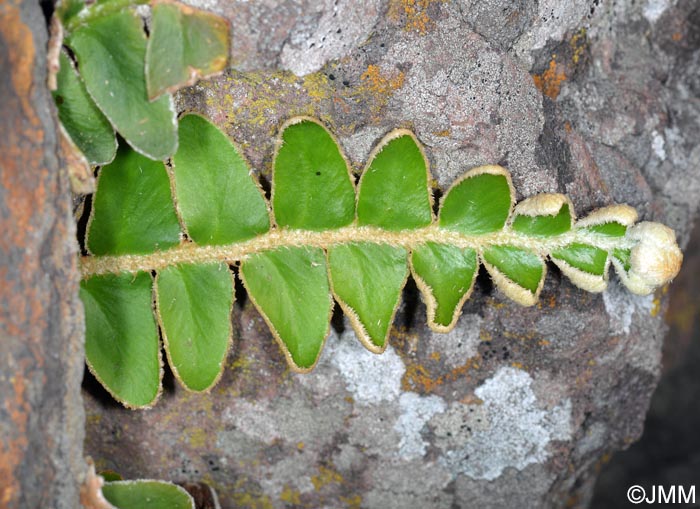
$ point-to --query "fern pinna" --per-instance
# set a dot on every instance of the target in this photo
(318, 239)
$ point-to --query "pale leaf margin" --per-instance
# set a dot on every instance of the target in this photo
(360, 331)
(275, 333)
(161, 369)
(166, 344)
(431, 303)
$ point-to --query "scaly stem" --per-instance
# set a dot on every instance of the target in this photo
(188, 252)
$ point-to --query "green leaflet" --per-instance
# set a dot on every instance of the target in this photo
(445, 275)
(110, 475)
(289, 286)
(209, 172)
(612, 229)
(517, 271)
(194, 304)
(134, 211)
(367, 281)
(623, 256)
(583, 257)
(311, 186)
(478, 203)
(393, 192)
(84, 122)
(320, 246)
(185, 44)
(111, 51)
(121, 337)
(67, 9)
(543, 223)
(585, 265)
(145, 494)
(124, 74)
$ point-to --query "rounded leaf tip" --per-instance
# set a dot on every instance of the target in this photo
(656, 258)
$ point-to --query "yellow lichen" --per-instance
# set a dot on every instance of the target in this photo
(324, 477)
(354, 502)
(317, 86)
(94, 419)
(249, 499)
(290, 496)
(578, 44)
(197, 438)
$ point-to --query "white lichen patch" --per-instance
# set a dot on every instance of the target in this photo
(294, 420)
(654, 9)
(359, 144)
(328, 31)
(453, 428)
(520, 428)
(621, 306)
(370, 378)
(658, 145)
(458, 345)
(416, 411)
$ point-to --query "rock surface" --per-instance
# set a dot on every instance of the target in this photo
(596, 100)
(41, 339)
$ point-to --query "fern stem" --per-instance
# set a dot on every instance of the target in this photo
(188, 252)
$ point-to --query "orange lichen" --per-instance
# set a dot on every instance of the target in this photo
(414, 12)
(377, 87)
(379, 84)
(549, 82)
(418, 378)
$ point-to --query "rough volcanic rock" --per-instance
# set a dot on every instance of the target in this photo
(516, 404)
(41, 343)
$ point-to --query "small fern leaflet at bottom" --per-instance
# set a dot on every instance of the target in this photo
(319, 239)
